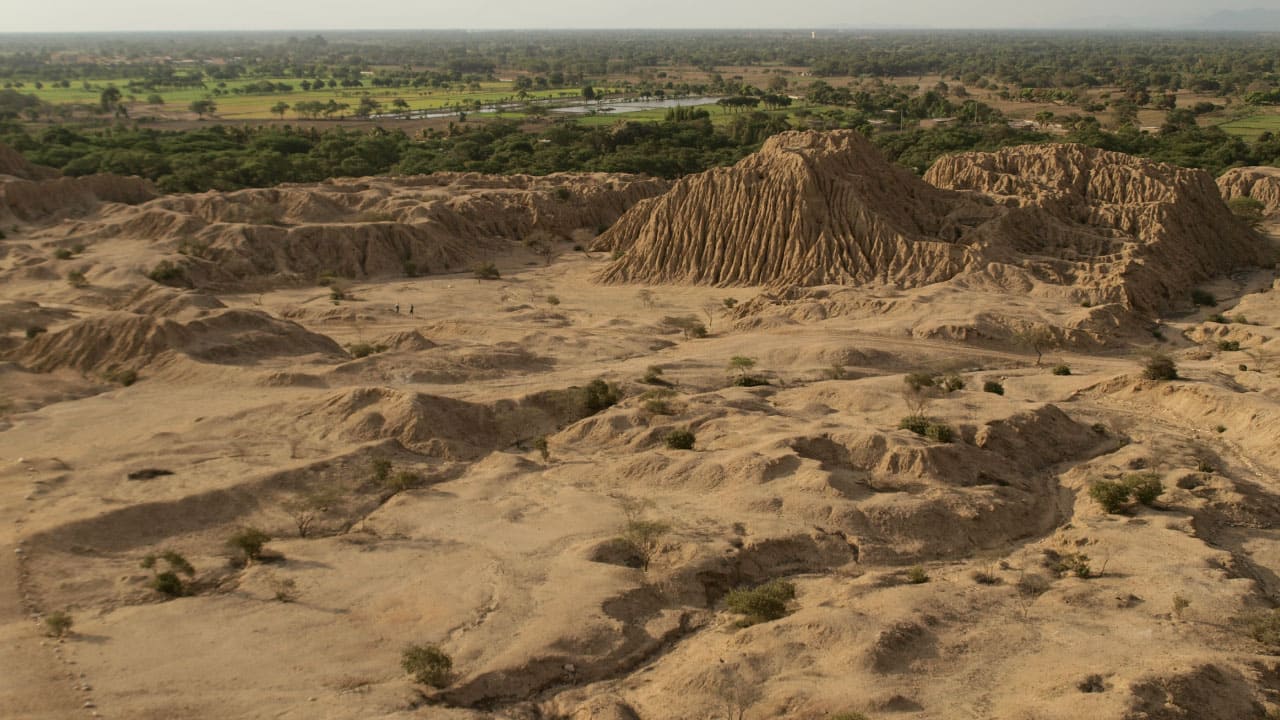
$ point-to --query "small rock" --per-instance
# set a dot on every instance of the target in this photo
(569, 667)
(89, 704)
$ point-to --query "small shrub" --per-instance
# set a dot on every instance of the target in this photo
(428, 664)
(1033, 585)
(762, 604)
(77, 279)
(486, 271)
(915, 423)
(938, 432)
(249, 542)
(552, 300)
(1112, 496)
(653, 376)
(1228, 346)
(1204, 466)
(381, 468)
(34, 330)
(1062, 369)
(1240, 320)
(1099, 428)
(1203, 298)
(285, 591)
(658, 406)
(680, 440)
(644, 539)
(952, 383)
(993, 386)
(168, 581)
(563, 193)
(835, 372)
(916, 575)
(985, 577)
(404, 480)
(1220, 429)
(362, 350)
(543, 448)
(326, 279)
(168, 273)
(1146, 488)
(57, 624)
(1074, 563)
(750, 381)
(729, 303)
(917, 381)
(410, 268)
(1263, 626)
(337, 294)
(1242, 367)
(1180, 604)
(849, 716)
(1160, 367)
(599, 395)
(689, 325)
(63, 254)
(1158, 334)
(1218, 318)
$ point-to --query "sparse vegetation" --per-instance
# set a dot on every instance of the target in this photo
(63, 254)
(599, 395)
(306, 509)
(486, 271)
(58, 624)
(690, 326)
(1114, 495)
(1160, 367)
(364, 349)
(248, 542)
(1228, 346)
(644, 538)
(1247, 210)
(552, 300)
(34, 331)
(284, 590)
(1263, 626)
(761, 604)
(428, 664)
(680, 440)
(653, 376)
(168, 581)
(917, 575)
(122, 377)
(167, 272)
(1062, 369)
(1073, 564)
(77, 279)
(993, 386)
(544, 449)
(381, 468)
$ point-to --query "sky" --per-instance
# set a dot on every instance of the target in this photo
(147, 15)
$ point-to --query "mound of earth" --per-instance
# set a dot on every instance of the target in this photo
(1125, 229)
(38, 199)
(366, 227)
(825, 208)
(128, 341)
(13, 164)
(1260, 183)
(809, 209)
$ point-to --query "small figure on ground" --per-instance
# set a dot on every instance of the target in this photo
(411, 309)
(397, 308)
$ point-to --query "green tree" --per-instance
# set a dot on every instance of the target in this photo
(203, 107)
(280, 109)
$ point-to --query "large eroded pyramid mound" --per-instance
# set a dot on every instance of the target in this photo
(826, 208)
(809, 209)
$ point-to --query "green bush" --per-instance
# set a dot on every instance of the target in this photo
(249, 542)
(168, 581)
(486, 271)
(1062, 369)
(1203, 298)
(362, 350)
(428, 664)
(680, 440)
(1263, 626)
(750, 381)
(653, 376)
(952, 383)
(77, 279)
(1160, 367)
(918, 381)
(599, 395)
(1074, 563)
(938, 432)
(993, 386)
(168, 273)
(761, 604)
(57, 624)
(1218, 318)
(34, 330)
(1146, 488)
(915, 423)
(381, 468)
(63, 254)
(1112, 496)
(916, 575)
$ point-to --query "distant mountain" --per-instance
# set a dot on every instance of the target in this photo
(1256, 19)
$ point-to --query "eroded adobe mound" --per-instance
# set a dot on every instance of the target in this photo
(826, 208)
(1260, 183)
(810, 209)
(125, 340)
(1122, 228)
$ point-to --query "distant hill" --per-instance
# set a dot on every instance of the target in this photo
(1256, 19)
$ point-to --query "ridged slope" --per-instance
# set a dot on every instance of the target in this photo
(809, 208)
(1260, 183)
(1129, 230)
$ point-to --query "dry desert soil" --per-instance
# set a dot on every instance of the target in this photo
(484, 465)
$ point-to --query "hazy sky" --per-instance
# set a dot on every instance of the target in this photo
(103, 15)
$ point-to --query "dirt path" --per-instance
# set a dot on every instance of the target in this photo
(33, 684)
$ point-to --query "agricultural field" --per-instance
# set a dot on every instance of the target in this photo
(1250, 128)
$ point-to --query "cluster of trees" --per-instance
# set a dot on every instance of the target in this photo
(225, 157)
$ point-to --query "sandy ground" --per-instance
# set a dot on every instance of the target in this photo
(509, 560)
